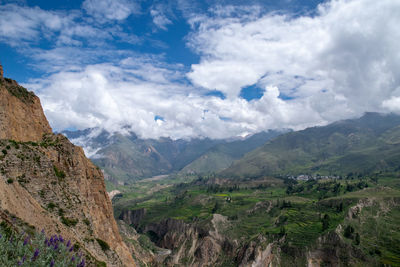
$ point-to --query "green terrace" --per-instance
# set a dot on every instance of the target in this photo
(299, 210)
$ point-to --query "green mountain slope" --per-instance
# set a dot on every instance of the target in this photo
(368, 144)
(181, 152)
(222, 156)
(126, 158)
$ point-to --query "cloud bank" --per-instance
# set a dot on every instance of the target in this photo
(338, 63)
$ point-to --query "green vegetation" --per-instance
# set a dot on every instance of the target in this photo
(14, 143)
(59, 173)
(298, 211)
(223, 155)
(21, 249)
(359, 147)
(145, 243)
(51, 206)
(129, 158)
(69, 221)
(376, 231)
(101, 264)
(18, 91)
(103, 244)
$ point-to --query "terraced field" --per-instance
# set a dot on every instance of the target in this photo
(299, 211)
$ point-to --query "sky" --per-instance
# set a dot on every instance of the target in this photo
(218, 69)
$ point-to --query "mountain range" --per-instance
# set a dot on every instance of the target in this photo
(127, 157)
(365, 145)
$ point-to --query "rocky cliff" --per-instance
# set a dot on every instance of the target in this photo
(48, 182)
(200, 245)
(21, 115)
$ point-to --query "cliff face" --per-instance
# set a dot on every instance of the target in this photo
(49, 183)
(21, 115)
(202, 246)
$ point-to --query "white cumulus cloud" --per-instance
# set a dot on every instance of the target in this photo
(160, 19)
(342, 61)
(348, 50)
(104, 10)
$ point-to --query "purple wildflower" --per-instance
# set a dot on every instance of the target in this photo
(1, 236)
(35, 255)
(42, 231)
(23, 258)
(71, 248)
(52, 263)
(26, 240)
(68, 243)
(60, 238)
(81, 264)
(19, 263)
(56, 246)
(73, 258)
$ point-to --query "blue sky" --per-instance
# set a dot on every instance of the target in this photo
(165, 36)
(207, 68)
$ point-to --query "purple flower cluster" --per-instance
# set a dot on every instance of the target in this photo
(25, 249)
(55, 242)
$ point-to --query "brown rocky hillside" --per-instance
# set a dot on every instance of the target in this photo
(49, 184)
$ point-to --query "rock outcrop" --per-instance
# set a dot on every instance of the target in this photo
(133, 217)
(192, 244)
(21, 115)
(48, 182)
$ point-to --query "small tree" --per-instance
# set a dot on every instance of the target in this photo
(325, 222)
(216, 207)
(348, 231)
(282, 230)
(357, 239)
